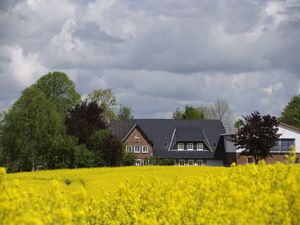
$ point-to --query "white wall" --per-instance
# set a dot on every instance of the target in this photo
(287, 132)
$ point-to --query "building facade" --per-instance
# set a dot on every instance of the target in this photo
(186, 142)
(193, 142)
(289, 136)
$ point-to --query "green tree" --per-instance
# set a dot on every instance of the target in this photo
(29, 128)
(106, 145)
(257, 135)
(125, 113)
(60, 90)
(177, 115)
(189, 113)
(106, 100)
(291, 113)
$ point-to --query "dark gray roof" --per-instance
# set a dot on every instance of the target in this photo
(160, 131)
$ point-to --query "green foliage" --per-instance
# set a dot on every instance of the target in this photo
(125, 113)
(291, 113)
(107, 146)
(59, 89)
(291, 157)
(84, 157)
(162, 162)
(257, 135)
(105, 100)
(238, 124)
(128, 158)
(29, 129)
(189, 113)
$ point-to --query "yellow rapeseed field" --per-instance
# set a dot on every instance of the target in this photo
(262, 194)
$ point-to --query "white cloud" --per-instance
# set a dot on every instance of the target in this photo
(24, 69)
(157, 57)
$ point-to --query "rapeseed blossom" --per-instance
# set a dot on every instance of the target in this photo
(251, 194)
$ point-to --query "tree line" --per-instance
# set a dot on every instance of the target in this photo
(49, 126)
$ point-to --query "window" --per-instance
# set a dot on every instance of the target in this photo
(283, 145)
(128, 148)
(190, 146)
(200, 162)
(136, 136)
(145, 149)
(190, 162)
(138, 162)
(249, 160)
(136, 149)
(180, 146)
(199, 146)
(181, 162)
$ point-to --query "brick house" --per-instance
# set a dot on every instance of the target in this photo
(187, 142)
(290, 135)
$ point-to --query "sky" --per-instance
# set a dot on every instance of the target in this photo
(156, 56)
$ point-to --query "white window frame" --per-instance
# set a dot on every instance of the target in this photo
(191, 162)
(129, 148)
(138, 162)
(180, 144)
(189, 145)
(198, 148)
(137, 149)
(181, 160)
(144, 149)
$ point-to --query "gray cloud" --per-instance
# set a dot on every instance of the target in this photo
(157, 57)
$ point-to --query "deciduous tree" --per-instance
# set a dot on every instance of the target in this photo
(291, 113)
(257, 135)
(29, 128)
(84, 120)
(59, 89)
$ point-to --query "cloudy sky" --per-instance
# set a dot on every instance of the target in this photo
(156, 55)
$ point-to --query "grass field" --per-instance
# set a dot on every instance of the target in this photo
(249, 194)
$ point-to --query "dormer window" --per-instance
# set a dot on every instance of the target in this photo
(199, 146)
(180, 146)
(190, 146)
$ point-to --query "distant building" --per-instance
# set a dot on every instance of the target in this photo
(290, 135)
(187, 142)
(192, 142)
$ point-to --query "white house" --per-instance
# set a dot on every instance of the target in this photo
(289, 135)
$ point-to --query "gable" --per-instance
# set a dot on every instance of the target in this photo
(136, 135)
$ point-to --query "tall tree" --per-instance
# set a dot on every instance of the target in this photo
(291, 113)
(59, 89)
(106, 100)
(108, 147)
(220, 110)
(29, 129)
(84, 120)
(125, 113)
(257, 135)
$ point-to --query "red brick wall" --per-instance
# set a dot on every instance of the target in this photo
(242, 159)
(140, 141)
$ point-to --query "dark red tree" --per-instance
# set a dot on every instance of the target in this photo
(257, 135)
(84, 120)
